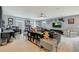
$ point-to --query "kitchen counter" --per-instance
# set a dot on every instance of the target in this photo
(7, 31)
(49, 41)
(49, 44)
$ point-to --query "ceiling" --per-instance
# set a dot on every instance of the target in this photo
(35, 11)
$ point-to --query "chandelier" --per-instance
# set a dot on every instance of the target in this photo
(42, 15)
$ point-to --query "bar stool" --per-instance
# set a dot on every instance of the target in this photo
(29, 35)
(38, 37)
(34, 37)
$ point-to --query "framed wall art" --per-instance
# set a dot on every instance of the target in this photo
(10, 21)
(71, 21)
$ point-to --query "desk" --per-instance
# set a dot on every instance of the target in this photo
(6, 36)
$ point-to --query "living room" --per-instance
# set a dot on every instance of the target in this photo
(49, 21)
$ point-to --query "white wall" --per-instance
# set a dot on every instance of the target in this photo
(15, 20)
(45, 23)
(48, 23)
(20, 24)
(19, 20)
(5, 18)
(76, 21)
(33, 23)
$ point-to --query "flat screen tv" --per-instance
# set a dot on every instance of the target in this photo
(57, 25)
